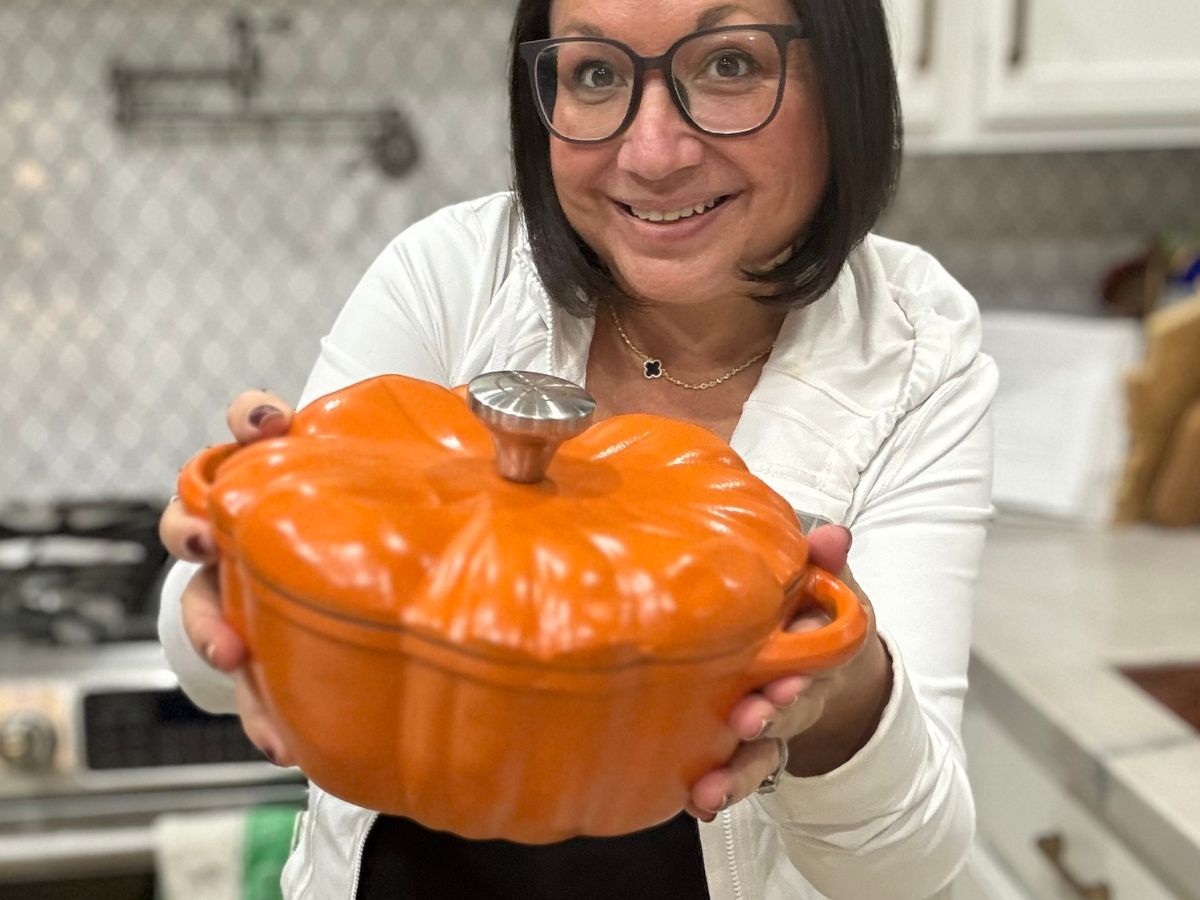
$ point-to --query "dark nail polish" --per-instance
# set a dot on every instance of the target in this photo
(196, 546)
(260, 414)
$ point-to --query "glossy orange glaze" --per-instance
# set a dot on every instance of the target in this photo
(503, 660)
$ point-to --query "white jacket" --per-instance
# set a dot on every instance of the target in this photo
(871, 411)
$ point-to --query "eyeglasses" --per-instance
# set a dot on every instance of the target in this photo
(724, 81)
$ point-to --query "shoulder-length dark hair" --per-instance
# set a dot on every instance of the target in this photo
(852, 56)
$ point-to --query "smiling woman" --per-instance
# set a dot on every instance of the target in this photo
(823, 179)
(688, 235)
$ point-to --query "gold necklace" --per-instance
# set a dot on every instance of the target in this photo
(653, 368)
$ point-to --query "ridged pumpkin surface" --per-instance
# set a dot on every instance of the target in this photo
(648, 538)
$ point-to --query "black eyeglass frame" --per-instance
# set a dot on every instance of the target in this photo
(783, 35)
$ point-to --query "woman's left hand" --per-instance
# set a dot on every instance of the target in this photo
(825, 717)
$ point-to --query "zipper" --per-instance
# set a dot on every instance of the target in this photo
(358, 855)
(730, 856)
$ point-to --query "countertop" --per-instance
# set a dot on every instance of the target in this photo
(1058, 611)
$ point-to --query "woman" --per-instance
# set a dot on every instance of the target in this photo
(689, 237)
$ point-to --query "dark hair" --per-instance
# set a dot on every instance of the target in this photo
(852, 57)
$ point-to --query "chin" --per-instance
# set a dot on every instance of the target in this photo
(677, 283)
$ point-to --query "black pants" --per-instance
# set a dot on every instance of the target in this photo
(405, 861)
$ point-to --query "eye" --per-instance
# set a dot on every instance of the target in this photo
(596, 74)
(731, 64)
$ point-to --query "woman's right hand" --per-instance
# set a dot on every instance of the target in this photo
(253, 416)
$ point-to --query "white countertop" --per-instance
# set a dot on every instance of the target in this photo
(1057, 611)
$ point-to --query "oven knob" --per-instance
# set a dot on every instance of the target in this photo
(27, 741)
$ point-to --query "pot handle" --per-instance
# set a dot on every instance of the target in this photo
(796, 653)
(197, 475)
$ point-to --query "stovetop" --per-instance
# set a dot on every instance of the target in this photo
(78, 573)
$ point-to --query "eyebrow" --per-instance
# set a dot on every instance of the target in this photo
(713, 15)
(707, 19)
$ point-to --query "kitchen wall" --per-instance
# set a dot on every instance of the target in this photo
(146, 277)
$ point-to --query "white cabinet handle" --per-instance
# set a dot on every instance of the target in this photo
(1052, 847)
(928, 35)
(1016, 52)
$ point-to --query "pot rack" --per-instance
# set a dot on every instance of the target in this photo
(384, 132)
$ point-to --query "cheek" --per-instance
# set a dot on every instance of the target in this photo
(572, 172)
(802, 167)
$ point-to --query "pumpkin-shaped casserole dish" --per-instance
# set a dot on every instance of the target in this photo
(528, 661)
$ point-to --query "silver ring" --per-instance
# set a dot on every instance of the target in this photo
(771, 782)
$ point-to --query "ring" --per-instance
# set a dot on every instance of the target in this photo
(771, 782)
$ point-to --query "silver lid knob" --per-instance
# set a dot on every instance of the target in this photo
(28, 741)
(529, 415)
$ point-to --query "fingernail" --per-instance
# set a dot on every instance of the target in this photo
(764, 731)
(707, 817)
(261, 414)
(210, 653)
(849, 536)
(726, 799)
(270, 755)
(802, 686)
(196, 545)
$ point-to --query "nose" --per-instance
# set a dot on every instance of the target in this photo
(659, 142)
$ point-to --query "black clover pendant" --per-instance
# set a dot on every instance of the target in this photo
(653, 368)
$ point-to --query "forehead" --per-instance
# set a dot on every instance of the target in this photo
(660, 23)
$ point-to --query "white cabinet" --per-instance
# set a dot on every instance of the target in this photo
(1033, 74)
(1049, 841)
(916, 29)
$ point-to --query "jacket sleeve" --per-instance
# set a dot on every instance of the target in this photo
(396, 321)
(900, 811)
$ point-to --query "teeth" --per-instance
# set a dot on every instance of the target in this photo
(654, 215)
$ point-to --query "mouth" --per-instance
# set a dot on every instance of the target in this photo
(667, 216)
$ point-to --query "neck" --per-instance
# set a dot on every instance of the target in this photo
(705, 338)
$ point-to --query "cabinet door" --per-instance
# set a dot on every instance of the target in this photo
(1055, 846)
(1088, 67)
(915, 32)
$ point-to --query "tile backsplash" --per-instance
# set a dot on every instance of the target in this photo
(147, 276)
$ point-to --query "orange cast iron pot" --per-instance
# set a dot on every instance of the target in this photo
(529, 661)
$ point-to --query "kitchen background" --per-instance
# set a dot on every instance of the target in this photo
(150, 271)
(189, 189)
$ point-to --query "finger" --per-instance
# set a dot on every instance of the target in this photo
(255, 415)
(752, 717)
(829, 546)
(787, 692)
(696, 812)
(186, 536)
(751, 764)
(212, 636)
(809, 619)
(256, 722)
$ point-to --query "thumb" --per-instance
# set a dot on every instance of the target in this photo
(828, 547)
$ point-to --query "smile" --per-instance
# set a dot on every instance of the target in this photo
(674, 215)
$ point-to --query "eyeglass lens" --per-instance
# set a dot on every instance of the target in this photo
(727, 81)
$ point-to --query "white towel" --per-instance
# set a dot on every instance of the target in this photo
(199, 856)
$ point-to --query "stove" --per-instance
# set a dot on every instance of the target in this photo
(96, 738)
(80, 573)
